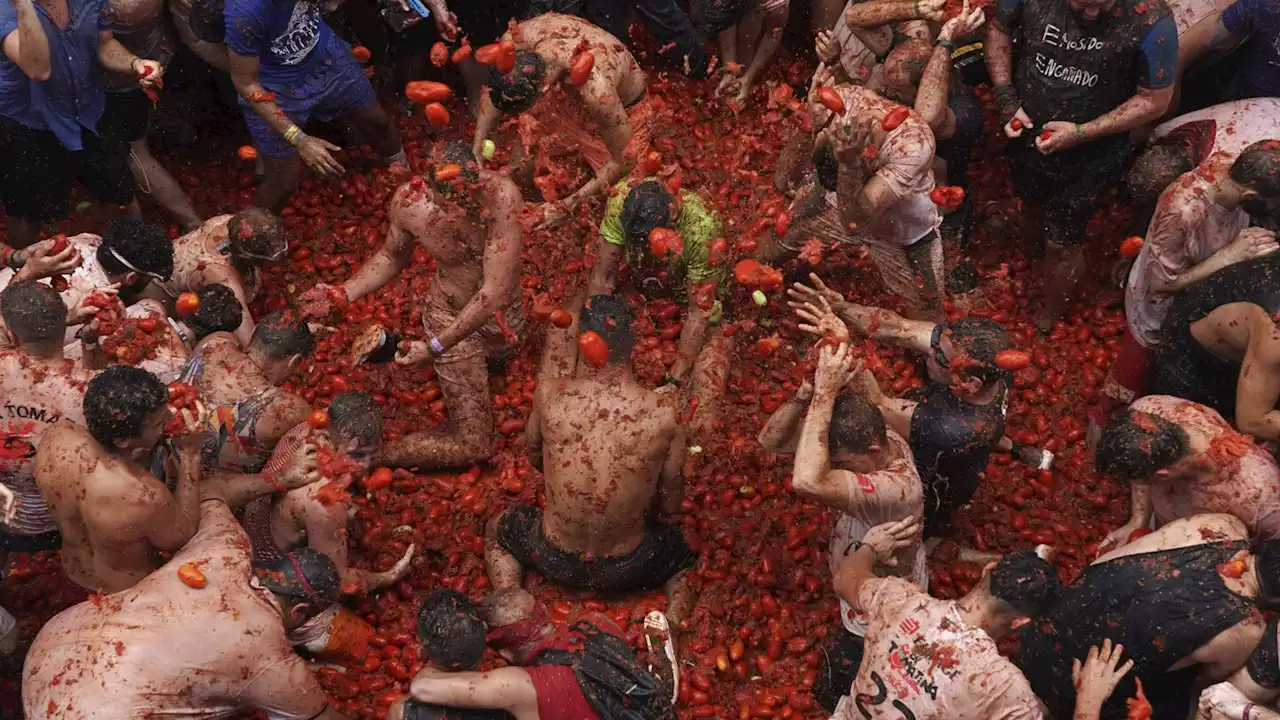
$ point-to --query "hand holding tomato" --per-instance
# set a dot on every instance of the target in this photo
(150, 73)
(319, 301)
(300, 469)
(1057, 136)
(414, 352)
(48, 258)
(90, 305)
(1019, 123)
(1097, 677)
(962, 24)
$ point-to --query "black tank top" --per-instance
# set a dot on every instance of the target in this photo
(1184, 368)
(1161, 606)
(1075, 73)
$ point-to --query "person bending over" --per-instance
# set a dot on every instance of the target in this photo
(607, 118)
(749, 33)
(228, 250)
(206, 634)
(472, 311)
(1200, 226)
(543, 680)
(1185, 603)
(250, 412)
(941, 653)
(289, 67)
(612, 453)
(1183, 459)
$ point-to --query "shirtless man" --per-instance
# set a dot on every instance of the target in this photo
(846, 459)
(113, 513)
(40, 387)
(1184, 601)
(1200, 226)
(1183, 459)
(473, 312)
(611, 106)
(308, 516)
(612, 452)
(930, 658)
(141, 26)
(229, 250)
(242, 387)
(174, 650)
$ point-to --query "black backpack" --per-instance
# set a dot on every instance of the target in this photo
(612, 679)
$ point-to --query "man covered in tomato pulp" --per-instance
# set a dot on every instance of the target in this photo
(612, 452)
(604, 115)
(1183, 459)
(930, 658)
(289, 67)
(1068, 107)
(466, 219)
(204, 635)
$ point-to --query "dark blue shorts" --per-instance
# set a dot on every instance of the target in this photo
(336, 87)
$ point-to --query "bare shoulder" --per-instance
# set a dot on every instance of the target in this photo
(1196, 530)
(501, 188)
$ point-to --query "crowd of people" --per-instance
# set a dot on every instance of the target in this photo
(152, 440)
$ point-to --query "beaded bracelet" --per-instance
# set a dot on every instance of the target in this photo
(293, 135)
(437, 345)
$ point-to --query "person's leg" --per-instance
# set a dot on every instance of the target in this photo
(153, 179)
(824, 14)
(464, 381)
(1063, 266)
(280, 181)
(103, 166)
(35, 181)
(750, 28)
(376, 128)
(670, 26)
(927, 264)
(501, 565)
(709, 376)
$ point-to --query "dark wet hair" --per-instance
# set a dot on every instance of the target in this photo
(219, 311)
(141, 244)
(118, 402)
(1135, 445)
(826, 165)
(646, 208)
(856, 425)
(518, 90)
(979, 340)
(712, 17)
(301, 576)
(1266, 561)
(1025, 582)
(282, 334)
(34, 312)
(609, 317)
(1258, 168)
(355, 415)
(254, 231)
(1156, 169)
(913, 55)
(459, 153)
(451, 631)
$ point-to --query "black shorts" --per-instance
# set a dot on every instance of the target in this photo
(662, 554)
(13, 542)
(1066, 184)
(841, 658)
(126, 115)
(37, 172)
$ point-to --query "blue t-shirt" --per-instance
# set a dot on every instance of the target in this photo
(287, 36)
(1260, 19)
(72, 96)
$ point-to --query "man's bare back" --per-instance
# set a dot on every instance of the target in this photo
(113, 513)
(605, 441)
(557, 38)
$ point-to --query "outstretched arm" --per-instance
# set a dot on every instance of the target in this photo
(507, 688)
(394, 256)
